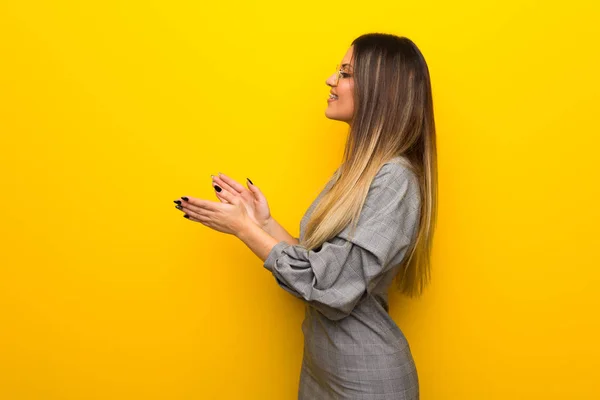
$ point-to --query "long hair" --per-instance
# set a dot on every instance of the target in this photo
(393, 116)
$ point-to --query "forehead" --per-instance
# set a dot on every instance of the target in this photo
(347, 61)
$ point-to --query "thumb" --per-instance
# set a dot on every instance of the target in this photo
(255, 191)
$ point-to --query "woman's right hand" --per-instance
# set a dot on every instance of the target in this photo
(255, 202)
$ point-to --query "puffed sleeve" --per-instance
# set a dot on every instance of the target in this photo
(334, 277)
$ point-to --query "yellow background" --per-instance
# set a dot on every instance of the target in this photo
(110, 110)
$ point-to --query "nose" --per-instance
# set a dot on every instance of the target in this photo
(331, 80)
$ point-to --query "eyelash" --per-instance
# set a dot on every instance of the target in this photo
(344, 74)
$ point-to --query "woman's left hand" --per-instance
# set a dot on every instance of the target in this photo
(229, 218)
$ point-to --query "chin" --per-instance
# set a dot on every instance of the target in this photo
(335, 117)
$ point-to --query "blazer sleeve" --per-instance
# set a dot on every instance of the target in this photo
(334, 277)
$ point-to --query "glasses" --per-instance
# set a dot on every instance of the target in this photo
(339, 72)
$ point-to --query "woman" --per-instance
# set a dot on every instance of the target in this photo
(372, 222)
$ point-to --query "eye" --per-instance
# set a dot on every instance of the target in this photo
(345, 74)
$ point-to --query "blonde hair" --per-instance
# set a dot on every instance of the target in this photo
(393, 116)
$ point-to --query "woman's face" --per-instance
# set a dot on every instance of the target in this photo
(342, 108)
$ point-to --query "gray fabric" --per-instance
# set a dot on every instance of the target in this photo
(352, 347)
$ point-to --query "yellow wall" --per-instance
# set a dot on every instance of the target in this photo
(110, 110)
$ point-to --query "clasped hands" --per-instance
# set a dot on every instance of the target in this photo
(238, 207)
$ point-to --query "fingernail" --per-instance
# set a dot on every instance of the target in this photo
(177, 202)
(250, 181)
(219, 174)
(217, 188)
(179, 207)
(186, 216)
(185, 198)
(212, 176)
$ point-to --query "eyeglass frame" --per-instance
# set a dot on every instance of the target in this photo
(339, 72)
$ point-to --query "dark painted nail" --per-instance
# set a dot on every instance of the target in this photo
(186, 216)
(217, 188)
(179, 207)
(177, 202)
(250, 181)
(185, 198)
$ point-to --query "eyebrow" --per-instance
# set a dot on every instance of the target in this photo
(346, 65)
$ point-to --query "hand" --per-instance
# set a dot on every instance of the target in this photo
(230, 218)
(252, 198)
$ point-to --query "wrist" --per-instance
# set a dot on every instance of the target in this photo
(268, 225)
(246, 230)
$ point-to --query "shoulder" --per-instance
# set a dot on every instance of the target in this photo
(395, 186)
(396, 174)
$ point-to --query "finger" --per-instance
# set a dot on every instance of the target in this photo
(232, 183)
(195, 219)
(218, 193)
(200, 203)
(224, 185)
(221, 198)
(255, 191)
(231, 198)
(197, 212)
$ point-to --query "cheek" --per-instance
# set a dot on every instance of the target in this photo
(347, 92)
(348, 99)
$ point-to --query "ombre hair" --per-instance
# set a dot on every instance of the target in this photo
(393, 116)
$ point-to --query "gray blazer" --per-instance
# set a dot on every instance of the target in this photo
(352, 347)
